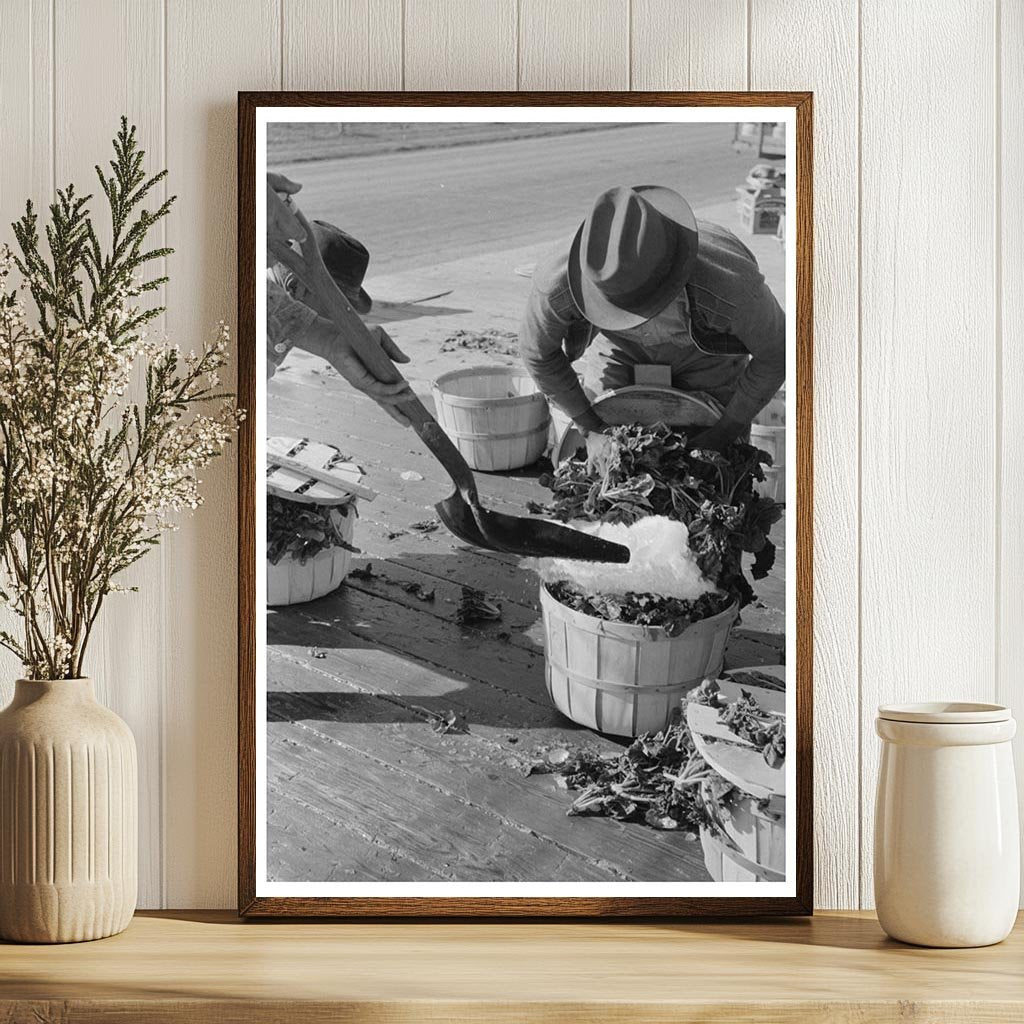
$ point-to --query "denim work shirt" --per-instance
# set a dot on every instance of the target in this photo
(726, 311)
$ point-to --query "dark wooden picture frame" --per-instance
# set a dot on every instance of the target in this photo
(252, 905)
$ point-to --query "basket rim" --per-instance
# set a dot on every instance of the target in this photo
(484, 370)
(563, 444)
(437, 387)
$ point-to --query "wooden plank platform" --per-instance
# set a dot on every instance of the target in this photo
(361, 786)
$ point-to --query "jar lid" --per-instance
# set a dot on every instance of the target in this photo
(945, 713)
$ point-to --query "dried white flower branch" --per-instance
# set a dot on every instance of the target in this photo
(89, 477)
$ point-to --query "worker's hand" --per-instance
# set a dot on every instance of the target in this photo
(282, 224)
(324, 340)
(720, 435)
(279, 183)
(599, 445)
(387, 396)
(600, 452)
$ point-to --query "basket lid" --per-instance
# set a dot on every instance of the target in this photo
(734, 758)
(291, 483)
(645, 404)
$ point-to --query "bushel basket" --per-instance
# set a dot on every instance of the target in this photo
(292, 582)
(746, 838)
(305, 472)
(749, 843)
(494, 414)
(624, 679)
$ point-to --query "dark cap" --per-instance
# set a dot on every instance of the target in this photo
(346, 260)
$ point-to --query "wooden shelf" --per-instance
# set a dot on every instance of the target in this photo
(202, 967)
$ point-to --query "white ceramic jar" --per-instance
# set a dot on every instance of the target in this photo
(947, 848)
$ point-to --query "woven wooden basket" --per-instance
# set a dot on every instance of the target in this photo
(292, 582)
(623, 679)
(747, 842)
(768, 432)
(773, 441)
(494, 414)
(310, 474)
(751, 843)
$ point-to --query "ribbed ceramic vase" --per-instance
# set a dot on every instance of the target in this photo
(947, 848)
(68, 815)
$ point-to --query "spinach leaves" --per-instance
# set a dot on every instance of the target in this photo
(654, 471)
(659, 780)
(748, 720)
(673, 614)
(301, 531)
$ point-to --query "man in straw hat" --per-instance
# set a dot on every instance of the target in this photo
(643, 283)
(293, 324)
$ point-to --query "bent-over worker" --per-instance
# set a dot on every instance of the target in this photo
(643, 283)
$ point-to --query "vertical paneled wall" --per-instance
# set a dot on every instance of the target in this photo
(919, 323)
(831, 71)
(929, 356)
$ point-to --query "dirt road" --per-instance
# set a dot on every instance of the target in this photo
(413, 210)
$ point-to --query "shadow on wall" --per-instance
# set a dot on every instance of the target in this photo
(202, 560)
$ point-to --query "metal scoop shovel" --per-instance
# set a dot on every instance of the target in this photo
(461, 512)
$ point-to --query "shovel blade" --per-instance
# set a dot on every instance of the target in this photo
(456, 514)
(540, 538)
(517, 535)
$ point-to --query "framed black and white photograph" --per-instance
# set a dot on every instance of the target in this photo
(525, 504)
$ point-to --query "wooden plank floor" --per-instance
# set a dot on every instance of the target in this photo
(360, 786)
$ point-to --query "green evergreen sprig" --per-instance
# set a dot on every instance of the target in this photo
(92, 470)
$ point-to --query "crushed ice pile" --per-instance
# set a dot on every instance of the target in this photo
(661, 561)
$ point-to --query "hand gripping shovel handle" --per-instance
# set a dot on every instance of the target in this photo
(330, 303)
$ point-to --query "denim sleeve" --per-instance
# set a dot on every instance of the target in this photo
(287, 319)
(550, 312)
(760, 324)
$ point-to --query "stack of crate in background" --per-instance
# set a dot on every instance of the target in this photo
(761, 209)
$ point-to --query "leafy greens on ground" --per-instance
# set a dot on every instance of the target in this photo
(654, 471)
(660, 779)
(476, 607)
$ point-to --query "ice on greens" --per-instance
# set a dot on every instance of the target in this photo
(653, 471)
(660, 561)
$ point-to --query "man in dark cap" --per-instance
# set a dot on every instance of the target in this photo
(346, 259)
(643, 283)
(293, 324)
